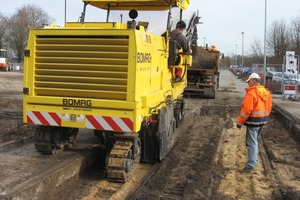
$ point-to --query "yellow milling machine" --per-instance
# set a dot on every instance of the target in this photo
(112, 77)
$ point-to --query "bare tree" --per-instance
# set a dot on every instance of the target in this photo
(3, 30)
(27, 17)
(256, 50)
(281, 38)
(278, 40)
(295, 35)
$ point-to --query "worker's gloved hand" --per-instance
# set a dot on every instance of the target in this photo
(239, 126)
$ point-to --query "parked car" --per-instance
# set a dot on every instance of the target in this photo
(289, 78)
(238, 71)
(269, 75)
(293, 78)
(277, 77)
(248, 71)
(298, 80)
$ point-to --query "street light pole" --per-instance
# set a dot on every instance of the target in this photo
(242, 49)
(233, 59)
(236, 58)
(265, 42)
(65, 11)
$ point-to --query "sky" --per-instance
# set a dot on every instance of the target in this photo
(223, 20)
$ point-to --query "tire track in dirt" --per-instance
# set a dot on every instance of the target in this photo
(188, 170)
(175, 186)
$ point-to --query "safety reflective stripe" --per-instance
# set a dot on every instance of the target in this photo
(123, 123)
(256, 123)
(92, 123)
(44, 118)
(118, 124)
(257, 120)
(264, 112)
(244, 115)
(260, 112)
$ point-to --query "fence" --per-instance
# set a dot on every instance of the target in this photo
(17, 66)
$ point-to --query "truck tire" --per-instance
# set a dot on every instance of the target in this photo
(213, 95)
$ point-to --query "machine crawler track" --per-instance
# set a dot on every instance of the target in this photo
(42, 143)
(120, 161)
(49, 140)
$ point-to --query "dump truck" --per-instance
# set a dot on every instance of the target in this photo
(4, 64)
(113, 77)
(203, 76)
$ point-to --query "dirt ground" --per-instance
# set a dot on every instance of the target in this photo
(12, 127)
(209, 154)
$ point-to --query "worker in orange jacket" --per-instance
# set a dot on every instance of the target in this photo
(255, 111)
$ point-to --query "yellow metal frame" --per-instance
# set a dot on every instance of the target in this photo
(137, 4)
(102, 25)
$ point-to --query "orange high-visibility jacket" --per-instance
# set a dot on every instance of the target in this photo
(256, 107)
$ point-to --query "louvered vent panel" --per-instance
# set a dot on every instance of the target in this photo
(82, 67)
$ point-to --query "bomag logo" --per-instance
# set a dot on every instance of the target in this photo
(77, 102)
(143, 57)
